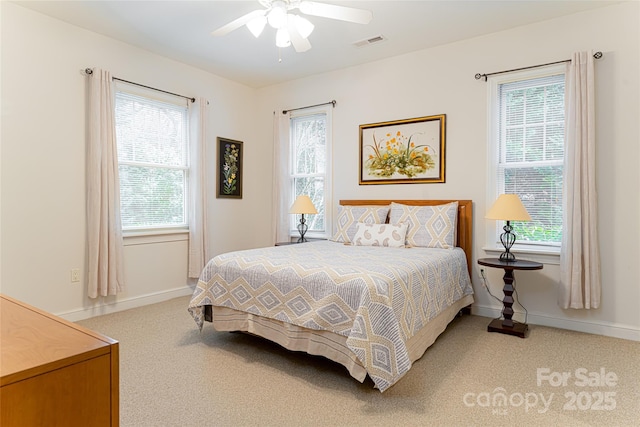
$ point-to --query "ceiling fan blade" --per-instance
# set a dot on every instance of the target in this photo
(300, 44)
(234, 25)
(342, 13)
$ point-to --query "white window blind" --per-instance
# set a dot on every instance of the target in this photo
(530, 123)
(309, 165)
(153, 162)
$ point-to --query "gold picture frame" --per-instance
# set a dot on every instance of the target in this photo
(229, 169)
(409, 151)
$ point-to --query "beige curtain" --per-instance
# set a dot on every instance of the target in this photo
(198, 248)
(281, 177)
(104, 230)
(580, 284)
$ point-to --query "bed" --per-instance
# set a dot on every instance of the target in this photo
(361, 302)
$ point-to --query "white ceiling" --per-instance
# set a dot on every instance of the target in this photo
(181, 30)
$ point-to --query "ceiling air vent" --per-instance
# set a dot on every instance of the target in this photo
(369, 41)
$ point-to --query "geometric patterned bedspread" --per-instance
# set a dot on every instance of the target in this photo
(377, 297)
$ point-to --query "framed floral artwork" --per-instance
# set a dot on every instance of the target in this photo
(229, 169)
(403, 151)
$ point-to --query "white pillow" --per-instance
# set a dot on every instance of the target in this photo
(350, 216)
(380, 235)
(428, 226)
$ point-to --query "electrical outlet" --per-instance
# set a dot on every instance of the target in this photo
(75, 275)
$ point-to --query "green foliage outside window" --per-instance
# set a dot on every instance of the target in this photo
(309, 136)
(532, 152)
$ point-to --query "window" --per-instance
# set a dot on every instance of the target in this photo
(153, 160)
(527, 135)
(310, 135)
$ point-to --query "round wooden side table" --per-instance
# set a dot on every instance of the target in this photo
(507, 325)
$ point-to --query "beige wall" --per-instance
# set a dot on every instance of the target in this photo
(42, 165)
(441, 80)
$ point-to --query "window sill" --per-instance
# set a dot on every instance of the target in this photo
(293, 236)
(547, 256)
(146, 237)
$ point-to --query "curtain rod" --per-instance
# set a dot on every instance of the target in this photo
(596, 55)
(90, 71)
(310, 106)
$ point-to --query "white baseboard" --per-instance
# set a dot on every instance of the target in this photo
(125, 304)
(606, 329)
(609, 330)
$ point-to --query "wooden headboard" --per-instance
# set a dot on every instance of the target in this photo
(465, 218)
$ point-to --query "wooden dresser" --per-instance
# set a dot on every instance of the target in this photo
(54, 372)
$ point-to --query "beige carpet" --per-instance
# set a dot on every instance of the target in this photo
(173, 375)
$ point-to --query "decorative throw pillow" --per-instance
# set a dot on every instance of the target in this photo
(427, 226)
(350, 216)
(380, 235)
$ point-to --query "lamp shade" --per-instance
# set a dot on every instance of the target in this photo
(277, 17)
(304, 27)
(303, 205)
(508, 207)
(282, 38)
(256, 25)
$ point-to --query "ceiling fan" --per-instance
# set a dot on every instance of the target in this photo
(292, 29)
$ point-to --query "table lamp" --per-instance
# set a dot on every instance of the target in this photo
(508, 207)
(302, 205)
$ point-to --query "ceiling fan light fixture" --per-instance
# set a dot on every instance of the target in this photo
(256, 25)
(282, 38)
(277, 16)
(292, 30)
(303, 25)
